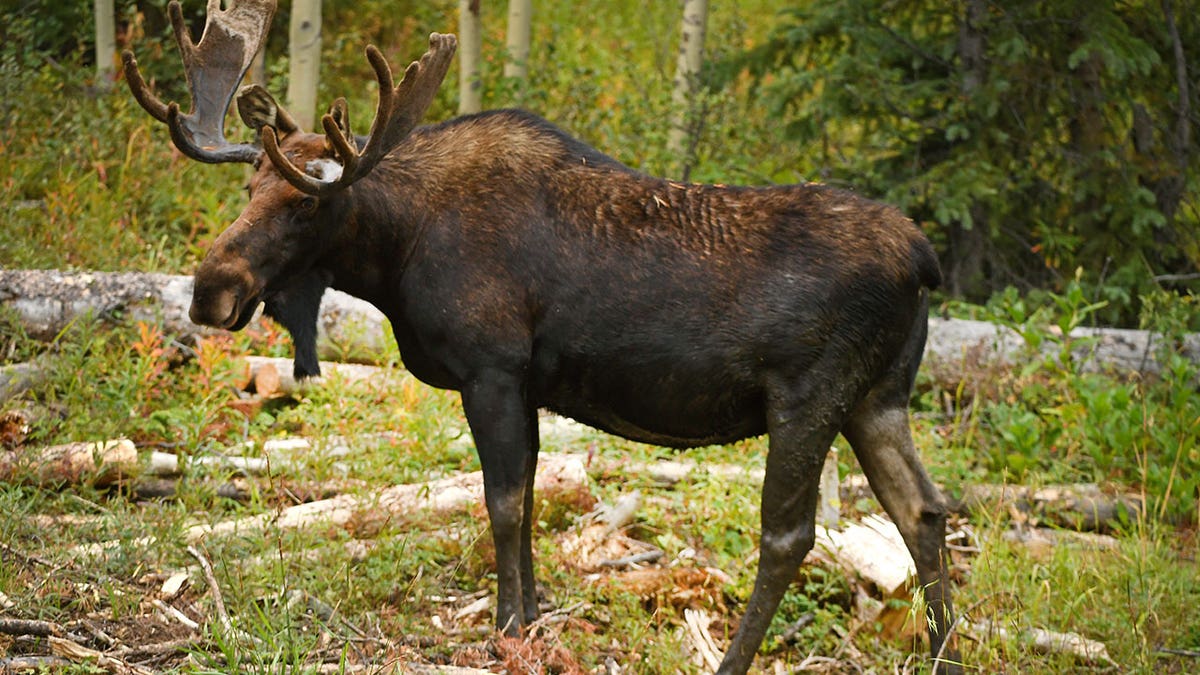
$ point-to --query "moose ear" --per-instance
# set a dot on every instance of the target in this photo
(258, 109)
(339, 112)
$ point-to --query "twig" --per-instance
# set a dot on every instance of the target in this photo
(644, 556)
(78, 653)
(155, 649)
(175, 614)
(557, 616)
(961, 618)
(1190, 653)
(29, 627)
(227, 628)
(96, 633)
(214, 587)
(20, 664)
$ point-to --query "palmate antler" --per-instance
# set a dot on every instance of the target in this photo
(214, 69)
(400, 109)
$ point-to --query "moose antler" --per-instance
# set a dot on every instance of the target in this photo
(214, 68)
(400, 109)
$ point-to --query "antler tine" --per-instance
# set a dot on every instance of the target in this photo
(400, 109)
(214, 67)
(141, 91)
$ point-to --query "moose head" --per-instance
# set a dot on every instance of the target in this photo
(267, 254)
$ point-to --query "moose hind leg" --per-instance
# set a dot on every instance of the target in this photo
(798, 445)
(879, 433)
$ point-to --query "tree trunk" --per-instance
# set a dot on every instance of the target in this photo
(1180, 143)
(470, 44)
(516, 63)
(681, 141)
(965, 272)
(305, 67)
(106, 42)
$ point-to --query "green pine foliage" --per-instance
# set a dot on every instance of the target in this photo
(1029, 138)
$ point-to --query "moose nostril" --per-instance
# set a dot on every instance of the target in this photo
(219, 312)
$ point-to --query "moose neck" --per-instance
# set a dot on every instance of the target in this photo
(438, 179)
(375, 233)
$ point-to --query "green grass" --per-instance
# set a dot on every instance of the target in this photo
(383, 579)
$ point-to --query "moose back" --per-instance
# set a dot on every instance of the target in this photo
(527, 270)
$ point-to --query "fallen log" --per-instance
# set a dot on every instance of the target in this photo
(957, 342)
(1048, 642)
(1042, 542)
(872, 549)
(98, 464)
(46, 301)
(555, 473)
(1082, 506)
(284, 383)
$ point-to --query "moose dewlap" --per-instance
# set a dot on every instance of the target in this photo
(525, 269)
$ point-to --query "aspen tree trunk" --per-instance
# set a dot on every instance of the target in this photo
(258, 68)
(681, 140)
(305, 67)
(520, 14)
(470, 35)
(106, 42)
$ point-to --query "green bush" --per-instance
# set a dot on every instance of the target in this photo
(1064, 422)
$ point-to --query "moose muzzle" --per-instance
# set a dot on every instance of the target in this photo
(226, 291)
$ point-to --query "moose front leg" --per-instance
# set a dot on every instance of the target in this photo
(505, 431)
(528, 582)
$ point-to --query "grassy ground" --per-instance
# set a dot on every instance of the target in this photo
(89, 182)
(393, 587)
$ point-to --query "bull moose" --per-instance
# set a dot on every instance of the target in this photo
(527, 270)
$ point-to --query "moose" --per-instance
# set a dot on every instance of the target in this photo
(527, 270)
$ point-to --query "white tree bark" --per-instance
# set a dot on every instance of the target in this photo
(106, 42)
(555, 473)
(305, 67)
(470, 44)
(520, 16)
(687, 75)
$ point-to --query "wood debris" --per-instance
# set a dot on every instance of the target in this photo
(705, 652)
(1046, 641)
(599, 540)
(555, 472)
(1082, 506)
(96, 463)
